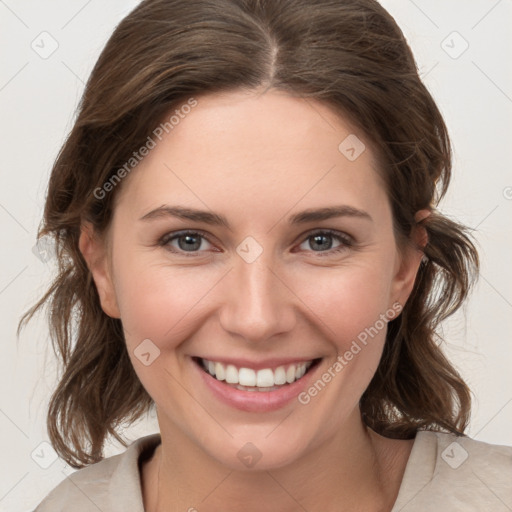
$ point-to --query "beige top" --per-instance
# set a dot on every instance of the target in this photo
(444, 473)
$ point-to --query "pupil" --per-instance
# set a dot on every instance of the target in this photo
(191, 242)
(322, 241)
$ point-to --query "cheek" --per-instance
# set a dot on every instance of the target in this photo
(157, 301)
(346, 299)
(163, 305)
(352, 307)
(164, 302)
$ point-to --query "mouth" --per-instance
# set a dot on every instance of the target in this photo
(248, 378)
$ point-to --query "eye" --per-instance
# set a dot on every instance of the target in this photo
(192, 243)
(185, 242)
(327, 241)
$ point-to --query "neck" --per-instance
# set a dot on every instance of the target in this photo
(354, 470)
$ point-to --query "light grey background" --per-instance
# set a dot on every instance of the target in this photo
(38, 97)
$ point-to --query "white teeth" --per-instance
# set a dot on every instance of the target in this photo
(220, 373)
(247, 377)
(265, 379)
(279, 376)
(231, 374)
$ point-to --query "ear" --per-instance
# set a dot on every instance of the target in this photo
(409, 260)
(95, 252)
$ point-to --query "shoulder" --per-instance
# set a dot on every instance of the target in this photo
(449, 472)
(461, 459)
(110, 485)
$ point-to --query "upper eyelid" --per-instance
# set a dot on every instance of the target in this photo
(173, 235)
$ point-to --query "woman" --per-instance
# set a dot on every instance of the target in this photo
(248, 238)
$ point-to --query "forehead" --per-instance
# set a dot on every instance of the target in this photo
(253, 154)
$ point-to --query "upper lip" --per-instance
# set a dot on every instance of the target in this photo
(258, 365)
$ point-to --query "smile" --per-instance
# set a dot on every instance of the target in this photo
(249, 379)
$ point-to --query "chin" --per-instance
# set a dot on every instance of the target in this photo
(258, 454)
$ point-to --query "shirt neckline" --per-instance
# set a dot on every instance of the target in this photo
(419, 470)
(418, 473)
(127, 476)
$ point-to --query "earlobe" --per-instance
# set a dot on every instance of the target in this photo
(406, 275)
(410, 260)
(419, 233)
(95, 254)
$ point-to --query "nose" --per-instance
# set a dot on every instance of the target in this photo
(258, 302)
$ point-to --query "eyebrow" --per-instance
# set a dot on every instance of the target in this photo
(214, 219)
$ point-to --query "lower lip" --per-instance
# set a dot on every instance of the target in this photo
(255, 401)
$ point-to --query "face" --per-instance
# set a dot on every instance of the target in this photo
(249, 246)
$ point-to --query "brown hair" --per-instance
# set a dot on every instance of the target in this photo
(348, 54)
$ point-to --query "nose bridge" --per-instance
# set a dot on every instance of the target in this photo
(258, 306)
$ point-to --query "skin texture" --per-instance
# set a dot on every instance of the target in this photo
(257, 159)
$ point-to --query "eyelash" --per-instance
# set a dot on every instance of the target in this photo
(346, 241)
